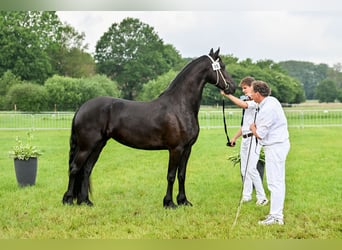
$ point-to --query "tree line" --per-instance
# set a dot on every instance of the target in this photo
(44, 66)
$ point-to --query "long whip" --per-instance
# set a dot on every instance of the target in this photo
(243, 179)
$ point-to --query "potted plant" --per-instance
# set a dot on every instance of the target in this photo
(235, 159)
(25, 157)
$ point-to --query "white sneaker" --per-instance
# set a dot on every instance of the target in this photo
(262, 202)
(246, 200)
(271, 220)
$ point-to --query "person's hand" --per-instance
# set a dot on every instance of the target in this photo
(252, 127)
(232, 142)
(224, 94)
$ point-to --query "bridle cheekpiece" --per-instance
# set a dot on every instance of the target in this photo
(217, 68)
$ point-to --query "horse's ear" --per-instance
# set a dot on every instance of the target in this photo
(211, 52)
(216, 53)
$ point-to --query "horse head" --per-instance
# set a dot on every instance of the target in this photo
(220, 77)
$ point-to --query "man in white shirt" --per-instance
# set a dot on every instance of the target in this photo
(271, 130)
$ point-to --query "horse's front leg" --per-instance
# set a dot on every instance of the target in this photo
(174, 159)
(181, 197)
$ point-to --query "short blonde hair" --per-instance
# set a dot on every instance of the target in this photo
(247, 81)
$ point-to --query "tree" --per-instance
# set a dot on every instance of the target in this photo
(34, 45)
(70, 93)
(326, 91)
(339, 95)
(7, 80)
(68, 56)
(132, 54)
(21, 50)
(27, 97)
(153, 88)
(284, 87)
(335, 74)
(73, 63)
(309, 74)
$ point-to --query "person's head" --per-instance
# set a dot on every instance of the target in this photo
(260, 90)
(246, 85)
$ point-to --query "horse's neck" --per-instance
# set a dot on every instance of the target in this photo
(188, 86)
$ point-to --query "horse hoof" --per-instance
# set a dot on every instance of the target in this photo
(87, 202)
(185, 203)
(68, 203)
(170, 205)
(68, 200)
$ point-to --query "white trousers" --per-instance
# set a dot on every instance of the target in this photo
(249, 154)
(275, 157)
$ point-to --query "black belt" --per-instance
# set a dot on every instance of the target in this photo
(247, 135)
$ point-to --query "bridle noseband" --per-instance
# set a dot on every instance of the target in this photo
(217, 68)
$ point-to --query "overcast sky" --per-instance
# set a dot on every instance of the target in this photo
(279, 35)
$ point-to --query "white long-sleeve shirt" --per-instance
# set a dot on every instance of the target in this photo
(271, 122)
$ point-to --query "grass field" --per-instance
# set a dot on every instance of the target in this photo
(129, 185)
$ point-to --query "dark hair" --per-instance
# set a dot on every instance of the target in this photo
(261, 87)
(247, 81)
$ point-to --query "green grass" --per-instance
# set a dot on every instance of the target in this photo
(129, 185)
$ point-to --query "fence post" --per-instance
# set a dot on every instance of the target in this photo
(301, 119)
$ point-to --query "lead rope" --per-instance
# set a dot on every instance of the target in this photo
(229, 144)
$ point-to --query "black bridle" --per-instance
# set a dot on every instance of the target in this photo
(217, 68)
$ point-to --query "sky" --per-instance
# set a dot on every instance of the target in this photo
(313, 35)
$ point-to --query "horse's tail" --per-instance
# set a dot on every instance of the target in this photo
(73, 143)
(79, 175)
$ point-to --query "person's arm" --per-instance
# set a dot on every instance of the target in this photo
(235, 100)
(236, 136)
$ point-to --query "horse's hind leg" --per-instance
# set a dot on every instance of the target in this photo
(83, 195)
(75, 176)
(68, 195)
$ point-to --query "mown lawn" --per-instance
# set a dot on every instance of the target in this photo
(129, 185)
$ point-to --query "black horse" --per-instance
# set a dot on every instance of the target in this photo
(169, 122)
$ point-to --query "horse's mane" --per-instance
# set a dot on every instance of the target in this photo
(180, 76)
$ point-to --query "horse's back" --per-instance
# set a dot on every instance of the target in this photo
(93, 113)
(96, 103)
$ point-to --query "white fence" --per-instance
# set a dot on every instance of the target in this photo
(295, 118)
(207, 119)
